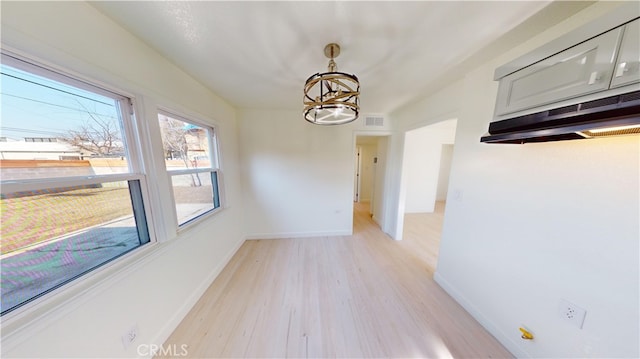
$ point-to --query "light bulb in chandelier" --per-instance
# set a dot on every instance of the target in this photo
(338, 111)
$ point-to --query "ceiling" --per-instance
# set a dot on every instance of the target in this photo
(258, 54)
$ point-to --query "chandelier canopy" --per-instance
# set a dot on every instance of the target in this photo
(332, 97)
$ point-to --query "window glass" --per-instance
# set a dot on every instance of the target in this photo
(190, 157)
(194, 195)
(52, 236)
(44, 119)
(69, 202)
(185, 145)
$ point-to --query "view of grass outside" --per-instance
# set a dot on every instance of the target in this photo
(32, 219)
(192, 200)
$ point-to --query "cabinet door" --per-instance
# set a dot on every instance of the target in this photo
(627, 70)
(579, 70)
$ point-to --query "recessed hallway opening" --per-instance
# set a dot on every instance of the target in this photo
(369, 173)
(427, 159)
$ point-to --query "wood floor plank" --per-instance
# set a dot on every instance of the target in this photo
(355, 296)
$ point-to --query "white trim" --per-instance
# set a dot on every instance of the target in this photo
(174, 209)
(189, 171)
(148, 211)
(181, 228)
(286, 235)
(480, 317)
(60, 182)
(221, 191)
(154, 167)
(186, 115)
(131, 134)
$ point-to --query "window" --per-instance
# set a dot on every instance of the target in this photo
(60, 218)
(191, 160)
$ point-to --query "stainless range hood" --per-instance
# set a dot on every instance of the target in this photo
(615, 115)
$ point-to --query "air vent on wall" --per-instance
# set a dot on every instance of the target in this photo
(376, 121)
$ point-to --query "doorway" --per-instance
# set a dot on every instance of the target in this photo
(427, 158)
(369, 168)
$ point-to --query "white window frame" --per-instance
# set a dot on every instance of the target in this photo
(215, 168)
(131, 140)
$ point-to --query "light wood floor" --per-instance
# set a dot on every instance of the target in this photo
(421, 234)
(355, 296)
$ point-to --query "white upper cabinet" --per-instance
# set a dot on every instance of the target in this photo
(579, 70)
(627, 70)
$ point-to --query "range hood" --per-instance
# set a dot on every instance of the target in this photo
(614, 115)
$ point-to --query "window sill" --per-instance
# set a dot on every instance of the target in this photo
(194, 223)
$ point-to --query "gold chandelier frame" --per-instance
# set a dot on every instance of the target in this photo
(331, 98)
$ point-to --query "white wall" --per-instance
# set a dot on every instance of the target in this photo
(446, 156)
(297, 177)
(156, 286)
(533, 224)
(421, 164)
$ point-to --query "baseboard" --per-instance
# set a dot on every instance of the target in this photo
(285, 235)
(173, 322)
(505, 340)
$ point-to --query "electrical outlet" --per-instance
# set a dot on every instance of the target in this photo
(572, 313)
(130, 336)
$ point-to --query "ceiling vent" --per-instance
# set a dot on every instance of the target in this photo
(374, 121)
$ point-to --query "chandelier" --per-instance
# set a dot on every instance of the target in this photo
(331, 98)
